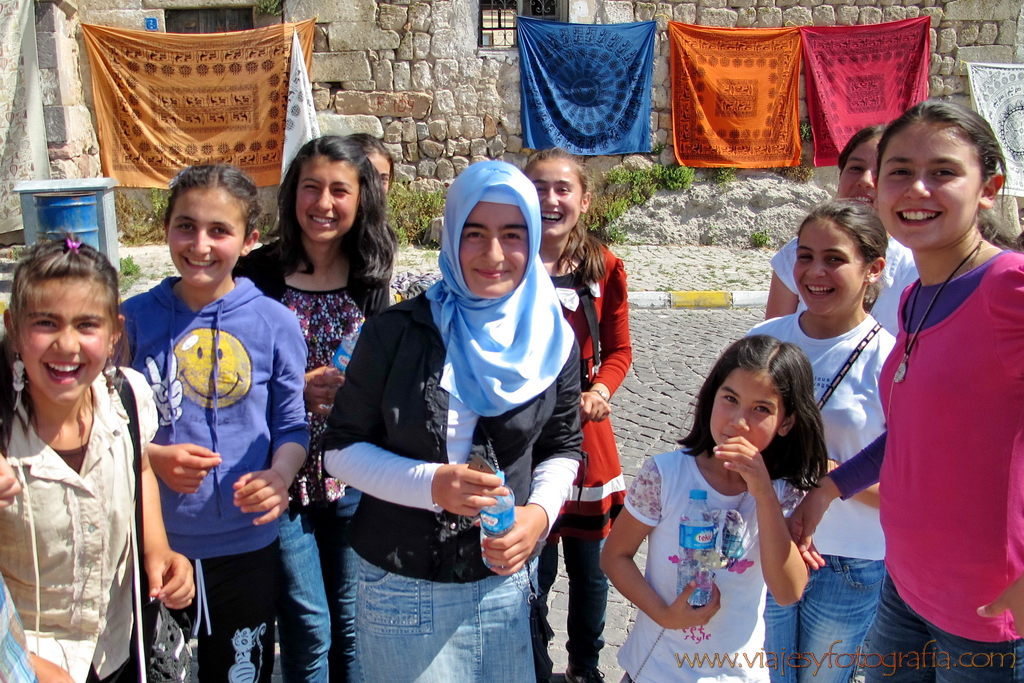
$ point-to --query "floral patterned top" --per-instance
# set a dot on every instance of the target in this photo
(325, 318)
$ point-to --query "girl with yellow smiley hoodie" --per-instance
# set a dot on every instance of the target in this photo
(233, 429)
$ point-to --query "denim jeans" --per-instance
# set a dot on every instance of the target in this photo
(588, 596)
(415, 630)
(899, 631)
(838, 605)
(316, 607)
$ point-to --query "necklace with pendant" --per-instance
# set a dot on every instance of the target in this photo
(911, 339)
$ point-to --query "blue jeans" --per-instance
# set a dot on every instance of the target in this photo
(588, 596)
(316, 607)
(899, 636)
(414, 630)
(833, 615)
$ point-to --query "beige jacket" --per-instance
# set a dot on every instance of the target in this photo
(82, 526)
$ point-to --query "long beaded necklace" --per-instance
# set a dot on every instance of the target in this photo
(911, 340)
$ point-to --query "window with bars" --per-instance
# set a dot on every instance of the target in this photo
(498, 18)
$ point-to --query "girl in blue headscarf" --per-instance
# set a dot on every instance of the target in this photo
(482, 364)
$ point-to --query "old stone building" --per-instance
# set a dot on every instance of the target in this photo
(438, 80)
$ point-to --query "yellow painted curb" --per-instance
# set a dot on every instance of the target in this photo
(701, 299)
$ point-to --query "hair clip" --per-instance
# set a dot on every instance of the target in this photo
(71, 244)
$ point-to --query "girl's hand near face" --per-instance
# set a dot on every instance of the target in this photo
(741, 457)
(322, 385)
(9, 486)
(509, 553)
(170, 578)
(463, 491)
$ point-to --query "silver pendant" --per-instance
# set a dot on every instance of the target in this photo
(901, 371)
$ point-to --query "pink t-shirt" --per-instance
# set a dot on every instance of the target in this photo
(951, 484)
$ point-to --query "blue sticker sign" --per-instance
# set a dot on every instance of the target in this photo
(151, 24)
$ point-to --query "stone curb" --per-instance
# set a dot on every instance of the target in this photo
(694, 299)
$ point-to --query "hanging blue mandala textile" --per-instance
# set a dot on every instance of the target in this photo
(586, 88)
(998, 94)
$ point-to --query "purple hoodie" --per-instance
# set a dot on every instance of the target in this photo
(255, 405)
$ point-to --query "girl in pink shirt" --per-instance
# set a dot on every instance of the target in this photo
(952, 476)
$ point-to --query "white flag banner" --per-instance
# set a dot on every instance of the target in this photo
(998, 94)
(300, 125)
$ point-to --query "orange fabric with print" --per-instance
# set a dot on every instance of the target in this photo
(735, 96)
(169, 100)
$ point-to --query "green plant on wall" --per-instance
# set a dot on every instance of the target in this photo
(138, 222)
(411, 211)
(269, 6)
(759, 239)
(723, 176)
(806, 132)
(622, 188)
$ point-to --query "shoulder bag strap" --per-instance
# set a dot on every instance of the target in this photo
(854, 355)
(127, 395)
(590, 311)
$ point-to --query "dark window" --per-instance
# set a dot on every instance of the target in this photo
(220, 20)
(498, 18)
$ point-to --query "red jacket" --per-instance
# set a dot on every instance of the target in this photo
(593, 505)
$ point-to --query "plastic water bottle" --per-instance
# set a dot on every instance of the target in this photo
(498, 519)
(697, 531)
(344, 352)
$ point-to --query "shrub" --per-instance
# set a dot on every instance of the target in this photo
(410, 212)
(759, 239)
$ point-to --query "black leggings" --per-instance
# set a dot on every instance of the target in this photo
(240, 592)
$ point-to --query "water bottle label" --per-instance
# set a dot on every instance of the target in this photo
(697, 536)
(497, 523)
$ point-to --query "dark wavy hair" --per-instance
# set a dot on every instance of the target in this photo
(231, 179)
(582, 246)
(862, 224)
(41, 263)
(370, 245)
(800, 457)
(976, 132)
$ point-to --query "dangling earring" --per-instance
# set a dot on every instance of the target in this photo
(18, 380)
(109, 371)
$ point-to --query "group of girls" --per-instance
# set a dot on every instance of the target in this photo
(227, 381)
(476, 390)
(895, 415)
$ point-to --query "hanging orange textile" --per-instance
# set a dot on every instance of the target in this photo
(735, 96)
(169, 100)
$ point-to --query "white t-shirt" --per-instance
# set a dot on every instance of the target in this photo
(900, 272)
(658, 497)
(853, 419)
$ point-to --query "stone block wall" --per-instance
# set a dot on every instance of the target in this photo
(410, 72)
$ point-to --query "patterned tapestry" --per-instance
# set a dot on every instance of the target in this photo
(15, 153)
(858, 76)
(586, 88)
(735, 96)
(169, 100)
(997, 91)
(300, 125)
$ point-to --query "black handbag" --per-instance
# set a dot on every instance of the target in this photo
(540, 635)
(163, 650)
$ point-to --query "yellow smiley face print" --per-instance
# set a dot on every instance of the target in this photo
(194, 354)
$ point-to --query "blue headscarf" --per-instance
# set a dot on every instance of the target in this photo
(500, 352)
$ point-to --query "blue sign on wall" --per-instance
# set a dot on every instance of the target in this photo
(151, 24)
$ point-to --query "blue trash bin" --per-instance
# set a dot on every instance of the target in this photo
(61, 213)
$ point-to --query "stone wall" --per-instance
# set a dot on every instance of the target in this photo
(410, 72)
